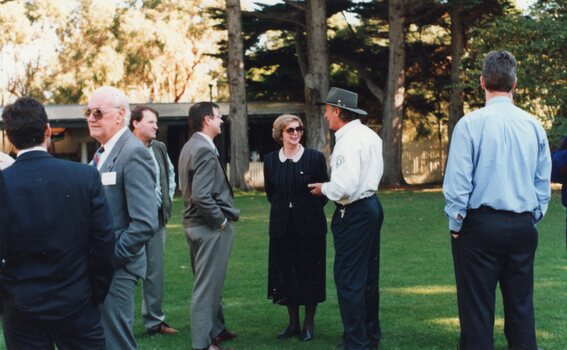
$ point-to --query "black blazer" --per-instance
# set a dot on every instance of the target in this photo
(287, 183)
(59, 245)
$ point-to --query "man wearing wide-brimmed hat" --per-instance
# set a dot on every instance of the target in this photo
(356, 170)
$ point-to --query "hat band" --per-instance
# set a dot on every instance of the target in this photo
(340, 103)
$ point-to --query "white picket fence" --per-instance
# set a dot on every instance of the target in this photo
(423, 162)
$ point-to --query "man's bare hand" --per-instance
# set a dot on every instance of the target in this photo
(315, 189)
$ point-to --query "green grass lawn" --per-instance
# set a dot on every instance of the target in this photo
(418, 299)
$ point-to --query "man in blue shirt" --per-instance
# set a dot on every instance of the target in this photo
(497, 186)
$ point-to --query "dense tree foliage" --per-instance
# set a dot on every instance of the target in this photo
(156, 50)
(539, 42)
(169, 51)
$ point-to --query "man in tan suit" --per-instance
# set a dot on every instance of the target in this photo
(207, 218)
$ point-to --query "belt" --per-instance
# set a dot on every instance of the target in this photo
(488, 209)
(342, 206)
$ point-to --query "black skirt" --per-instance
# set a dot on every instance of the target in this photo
(296, 271)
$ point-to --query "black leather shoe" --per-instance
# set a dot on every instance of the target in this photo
(306, 334)
(373, 345)
(289, 332)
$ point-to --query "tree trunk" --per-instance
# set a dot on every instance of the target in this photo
(317, 76)
(239, 153)
(457, 49)
(393, 108)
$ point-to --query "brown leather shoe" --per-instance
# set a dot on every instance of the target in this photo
(162, 328)
(223, 336)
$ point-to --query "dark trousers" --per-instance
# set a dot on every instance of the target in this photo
(356, 231)
(82, 331)
(495, 247)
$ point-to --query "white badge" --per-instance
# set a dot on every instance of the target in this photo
(109, 178)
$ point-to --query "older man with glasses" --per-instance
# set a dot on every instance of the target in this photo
(128, 178)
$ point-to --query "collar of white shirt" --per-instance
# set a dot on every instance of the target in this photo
(352, 124)
(35, 148)
(296, 157)
(110, 144)
(208, 138)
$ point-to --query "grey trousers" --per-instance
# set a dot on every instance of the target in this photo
(117, 312)
(152, 285)
(209, 250)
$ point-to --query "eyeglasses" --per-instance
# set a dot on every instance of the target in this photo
(96, 112)
(290, 131)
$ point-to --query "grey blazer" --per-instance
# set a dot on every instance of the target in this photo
(132, 202)
(207, 194)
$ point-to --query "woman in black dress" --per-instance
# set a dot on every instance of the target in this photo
(296, 271)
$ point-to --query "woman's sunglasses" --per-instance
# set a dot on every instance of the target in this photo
(290, 131)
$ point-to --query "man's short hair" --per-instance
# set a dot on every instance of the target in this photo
(198, 112)
(347, 116)
(25, 122)
(499, 71)
(118, 99)
(138, 114)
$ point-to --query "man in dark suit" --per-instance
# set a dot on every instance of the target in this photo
(128, 176)
(207, 218)
(144, 126)
(57, 254)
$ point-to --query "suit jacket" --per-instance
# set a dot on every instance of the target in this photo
(286, 183)
(58, 248)
(132, 201)
(206, 192)
(160, 151)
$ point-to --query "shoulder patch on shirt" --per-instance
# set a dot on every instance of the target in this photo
(339, 161)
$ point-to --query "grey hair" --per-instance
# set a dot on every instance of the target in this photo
(118, 99)
(499, 71)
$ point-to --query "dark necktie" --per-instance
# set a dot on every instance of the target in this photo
(97, 155)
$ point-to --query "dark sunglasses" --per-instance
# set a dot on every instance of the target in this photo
(290, 131)
(96, 112)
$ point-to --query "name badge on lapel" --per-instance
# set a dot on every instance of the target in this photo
(109, 178)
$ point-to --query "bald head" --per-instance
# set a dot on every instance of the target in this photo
(115, 113)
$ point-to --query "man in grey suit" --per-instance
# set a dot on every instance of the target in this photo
(207, 218)
(144, 126)
(128, 176)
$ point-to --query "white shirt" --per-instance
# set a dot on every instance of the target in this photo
(5, 160)
(109, 146)
(209, 140)
(34, 148)
(356, 164)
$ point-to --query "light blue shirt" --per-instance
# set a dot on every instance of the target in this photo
(499, 157)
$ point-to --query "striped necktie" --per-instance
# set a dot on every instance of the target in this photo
(97, 155)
